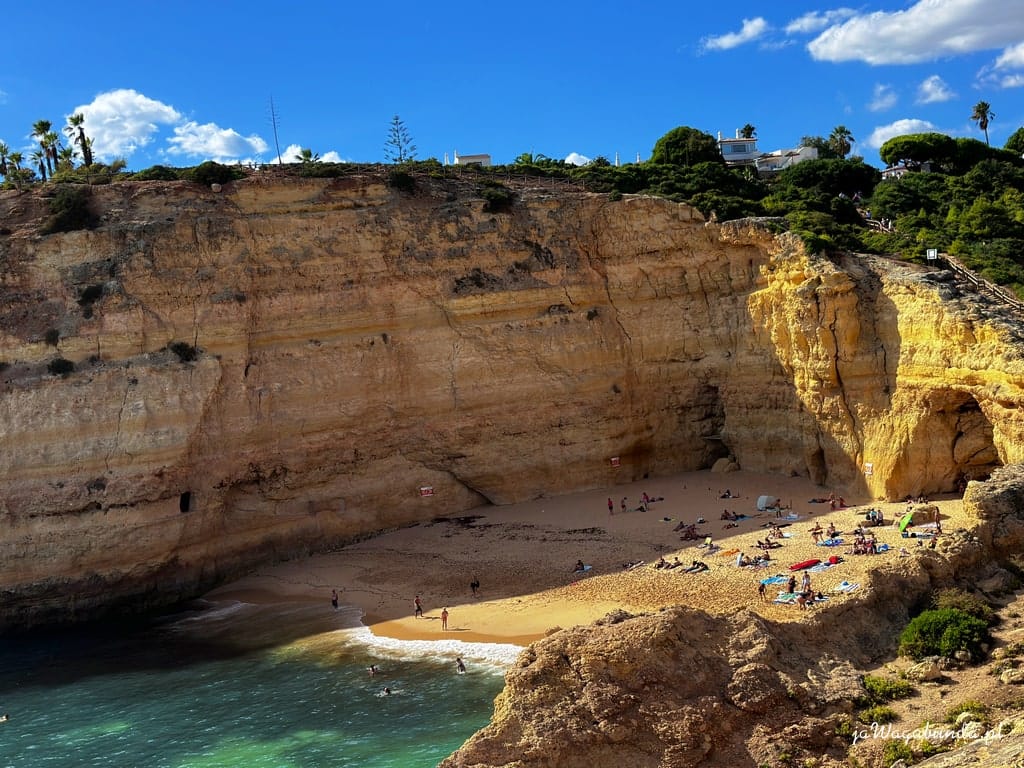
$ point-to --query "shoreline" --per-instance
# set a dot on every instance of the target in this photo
(523, 556)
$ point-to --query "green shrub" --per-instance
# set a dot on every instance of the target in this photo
(974, 707)
(497, 197)
(882, 689)
(894, 750)
(60, 367)
(943, 632)
(69, 210)
(614, 196)
(214, 173)
(157, 173)
(879, 713)
(401, 180)
(966, 602)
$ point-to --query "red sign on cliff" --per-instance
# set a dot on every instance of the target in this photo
(426, 490)
(614, 461)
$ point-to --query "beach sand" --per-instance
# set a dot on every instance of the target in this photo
(524, 554)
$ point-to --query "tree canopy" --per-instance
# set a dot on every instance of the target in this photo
(686, 146)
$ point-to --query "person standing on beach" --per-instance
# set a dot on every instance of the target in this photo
(762, 590)
(474, 586)
(334, 598)
(418, 613)
(611, 506)
(444, 618)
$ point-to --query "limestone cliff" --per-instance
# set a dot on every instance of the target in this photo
(282, 365)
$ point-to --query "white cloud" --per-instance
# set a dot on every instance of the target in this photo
(815, 20)
(3, 97)
(1012, 81)
(884, 98)
(121, 121)
(575, 158)
(928, 30)
(752, 29)
(1011, 58)
(290, 154)
(932, 90)
(883, 133)
(211, 142)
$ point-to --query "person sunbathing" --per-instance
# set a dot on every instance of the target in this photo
(662, 563)
(696, 567)
(832, 530)
(580, 567)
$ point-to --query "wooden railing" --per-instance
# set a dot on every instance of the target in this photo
(982, 285)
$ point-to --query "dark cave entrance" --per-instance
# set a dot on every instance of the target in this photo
(952, 444)
(707, 412)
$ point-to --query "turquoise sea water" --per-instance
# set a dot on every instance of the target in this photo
(237, 684)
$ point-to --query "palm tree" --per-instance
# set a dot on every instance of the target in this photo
(66, 158)
(39, 131)
(307, 155)
(982, 114)
(15, 159)
(748, 131)
(5, 152)
(40, 159)
(51, 144)
(75, 129)
(841, 140)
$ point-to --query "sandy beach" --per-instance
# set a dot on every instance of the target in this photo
(523, 557)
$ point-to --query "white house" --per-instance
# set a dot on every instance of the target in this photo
(741, 151)
(780, 159)
(482, 160)
(738, 151)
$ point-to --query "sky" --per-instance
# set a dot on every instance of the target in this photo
(177, 83)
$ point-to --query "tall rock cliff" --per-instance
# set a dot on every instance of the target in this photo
(281, 365)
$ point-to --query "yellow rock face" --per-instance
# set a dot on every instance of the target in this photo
(353, 345)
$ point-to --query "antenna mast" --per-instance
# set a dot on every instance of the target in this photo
(273, 122)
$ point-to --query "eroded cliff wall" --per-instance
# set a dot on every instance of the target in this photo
(353, 344)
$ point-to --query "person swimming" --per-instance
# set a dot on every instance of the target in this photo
(460, 666)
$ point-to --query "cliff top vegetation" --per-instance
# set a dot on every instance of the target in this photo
(959, 196)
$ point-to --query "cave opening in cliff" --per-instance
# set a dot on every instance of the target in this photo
(953, 443)
(185, 501)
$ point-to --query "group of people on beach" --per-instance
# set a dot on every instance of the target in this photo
(645, 503)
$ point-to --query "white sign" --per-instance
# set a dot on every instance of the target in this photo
(869, 468)
(932, 254)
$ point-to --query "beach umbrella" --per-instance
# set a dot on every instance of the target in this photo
(907, 520)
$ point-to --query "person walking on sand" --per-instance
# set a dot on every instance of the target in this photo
(762, 590)
(474, 586)
(334, 598)
(418, 613)
(611, 506)
(444, 619)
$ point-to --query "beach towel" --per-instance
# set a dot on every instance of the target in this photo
(792, 516)
(830, 543)
(786, 598)
(775, 580)
(820, 567)
(882, 548)
(845, 586)
(804, 564)
(727, 552)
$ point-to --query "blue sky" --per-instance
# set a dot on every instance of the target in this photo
(183, 81)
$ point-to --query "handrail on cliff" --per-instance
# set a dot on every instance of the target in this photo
(995, 291)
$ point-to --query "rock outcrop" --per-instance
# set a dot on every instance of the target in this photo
(684, 688)
(282, 365)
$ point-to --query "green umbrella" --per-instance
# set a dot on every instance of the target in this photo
(907, 520)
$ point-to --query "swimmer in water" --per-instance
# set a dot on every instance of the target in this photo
(373, 669)
(460, 666)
